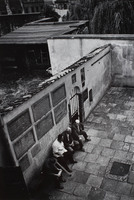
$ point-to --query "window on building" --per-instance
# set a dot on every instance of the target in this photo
(90, 95)
(73, 78)
(83, 77)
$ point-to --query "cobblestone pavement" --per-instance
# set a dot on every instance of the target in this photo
(111, 129)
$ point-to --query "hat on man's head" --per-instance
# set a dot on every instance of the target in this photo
(77, 121)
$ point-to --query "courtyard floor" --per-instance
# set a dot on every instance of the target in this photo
(111, 129)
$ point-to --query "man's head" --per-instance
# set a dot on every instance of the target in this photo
(68, 129)
(77, 121)
(60, 137)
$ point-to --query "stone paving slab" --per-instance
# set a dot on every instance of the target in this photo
(107, 152)
(88, 147)
(69, 187)
(79, 177)
(119, 137)
(80, 166)
(102, 160)
(97, 150)
(79, 155)
(123, 188)
(105, 142)
(96, 194)
(82, 190)
(91, 158)
(109, 185)
(124, 197)
(117, 144)
(110, 196)
(121, 155)
(94, 181)
(92, 168)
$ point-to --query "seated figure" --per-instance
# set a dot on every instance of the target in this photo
(51, 168)
(78, 129)
(61, 153)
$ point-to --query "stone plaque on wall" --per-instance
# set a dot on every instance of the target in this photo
(58, 94)
(60, 111)
(24, 163)
(24, 143)
(41, 107)
(19, 124)
(44, 125)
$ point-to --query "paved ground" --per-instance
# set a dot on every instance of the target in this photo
(111, 128)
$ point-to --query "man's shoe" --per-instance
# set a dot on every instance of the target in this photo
(82, 149)
(74, 161)
(63, 180)
(69, 170)
(87, 140)
(60, 187)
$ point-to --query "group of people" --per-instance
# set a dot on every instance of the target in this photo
(65, 145)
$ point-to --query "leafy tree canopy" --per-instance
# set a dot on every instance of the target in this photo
(105, 16)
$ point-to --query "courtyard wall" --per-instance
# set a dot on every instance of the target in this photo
(32, 127)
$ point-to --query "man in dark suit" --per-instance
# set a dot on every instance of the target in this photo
(78, 129)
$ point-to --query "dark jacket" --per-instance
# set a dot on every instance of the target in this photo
(67, 139)
(75, 128)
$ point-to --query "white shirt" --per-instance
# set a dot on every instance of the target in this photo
(58, 148)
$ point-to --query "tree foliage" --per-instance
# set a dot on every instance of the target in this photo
(105, 16)
(49, 11)
(113, 17)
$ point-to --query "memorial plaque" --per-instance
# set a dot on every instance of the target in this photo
(18, 125)
(41, 107)
(24, 163)
(36, 149)
(44, 125)
(58, 94)
(60, 111)
(24, 143)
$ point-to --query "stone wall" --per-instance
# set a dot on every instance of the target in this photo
(32, 127)
(72, 47)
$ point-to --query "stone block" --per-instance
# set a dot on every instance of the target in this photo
(109, 185)
(119, 137)
(24, 144)
(92, 168)
(96, 194)
(117, 144)
(102, 160)
(91, 157)
(58, 94)
(110, 196)
(105, 142)
(94, 181)
(123, 188)
(41, 107)
(129, 139)
(79, 155)
(69, 187)
(35, 150)
(94, 140)
(88, 147)
(19, 124)
(79, 177)
(60, 111)
(80, 166)
(108, 152)
(97, 150)
(44, 125)
(24, 163)
(82, 190)
(121, 155)
(131, 177)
